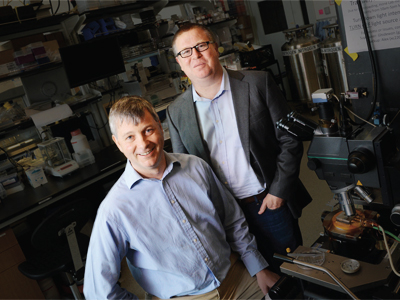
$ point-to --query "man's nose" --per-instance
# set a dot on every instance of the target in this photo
(196, 53)
(142, 141)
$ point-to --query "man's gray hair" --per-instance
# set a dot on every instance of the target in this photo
(130, 109)
(187, 27)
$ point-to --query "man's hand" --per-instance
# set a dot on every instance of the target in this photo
(271, 202)
(266, 279)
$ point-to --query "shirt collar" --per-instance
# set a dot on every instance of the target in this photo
(132, 177)
(224, 87)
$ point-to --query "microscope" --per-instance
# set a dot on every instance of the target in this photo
(360, 164)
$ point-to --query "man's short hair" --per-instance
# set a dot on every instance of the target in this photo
(130, 109)
(189, 26)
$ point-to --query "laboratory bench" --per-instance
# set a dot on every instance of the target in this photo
(109, 163)
(22, 211)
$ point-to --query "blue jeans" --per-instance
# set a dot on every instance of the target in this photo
(275, 231)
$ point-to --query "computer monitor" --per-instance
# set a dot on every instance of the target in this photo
(46, 85)
(93, 60)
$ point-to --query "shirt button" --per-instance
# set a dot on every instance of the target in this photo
(217, 121)
(184, 221)
(226, 182)
(172, 201)
(220, 142)
(195, 240)
(206, 259)
(223, 162)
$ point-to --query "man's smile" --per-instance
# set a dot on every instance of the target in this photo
(146, 153)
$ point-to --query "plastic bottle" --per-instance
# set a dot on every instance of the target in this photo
(79, 141)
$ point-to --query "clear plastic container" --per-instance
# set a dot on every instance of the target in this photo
(84, 158)
(312, 256)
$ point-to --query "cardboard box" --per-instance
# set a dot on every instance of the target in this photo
(6, 46)
(243, 22)
(58, 36)
(247, 35)
(6, 56)
(22, 42)
(52, 50)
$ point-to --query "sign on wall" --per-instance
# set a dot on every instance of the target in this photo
(383, 23)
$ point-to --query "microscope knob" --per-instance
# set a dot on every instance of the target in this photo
(360, 161)
(313, 164)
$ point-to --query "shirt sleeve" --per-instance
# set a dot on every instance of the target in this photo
(235, 225)
(107, 248)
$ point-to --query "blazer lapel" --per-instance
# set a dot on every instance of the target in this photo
(193, 127)
(241, 103)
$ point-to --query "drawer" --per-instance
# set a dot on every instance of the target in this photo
(11, 257)
(14, 285)
(7, 239)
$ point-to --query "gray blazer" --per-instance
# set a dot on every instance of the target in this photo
(274, 155)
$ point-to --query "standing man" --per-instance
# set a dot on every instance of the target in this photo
(228, 119)
(173, 221)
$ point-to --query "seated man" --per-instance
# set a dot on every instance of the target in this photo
(173, 221)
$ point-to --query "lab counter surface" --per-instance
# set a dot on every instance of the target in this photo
(109, 163)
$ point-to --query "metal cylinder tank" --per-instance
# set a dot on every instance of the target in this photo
(303, 63)
(333, 60)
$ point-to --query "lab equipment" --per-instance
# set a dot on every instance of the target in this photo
(303, 63)
(360, 164)
(57, 157)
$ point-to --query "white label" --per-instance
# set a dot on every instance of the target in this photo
(331, 49)
(301, 50)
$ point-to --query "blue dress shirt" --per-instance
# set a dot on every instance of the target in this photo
(176, 233)
(220, 132)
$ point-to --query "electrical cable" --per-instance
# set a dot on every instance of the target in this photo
(350, 111)
(16, 164)
(371, 57)
(51, 8)
(394, 118)
(354, 114)
(388, 250)
(58, 7)
(388, 233)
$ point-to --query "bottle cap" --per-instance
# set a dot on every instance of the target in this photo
(76, 132)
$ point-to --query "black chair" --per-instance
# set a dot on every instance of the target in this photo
(59, 246)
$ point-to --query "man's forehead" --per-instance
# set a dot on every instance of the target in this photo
(192, 34)
(143, 121)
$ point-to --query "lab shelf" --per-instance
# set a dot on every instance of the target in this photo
(142, 56)
(92, 15)
(33, 26)
(35, 70)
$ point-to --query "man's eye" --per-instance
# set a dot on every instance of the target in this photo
(186, 51)
(130, 137)
(201, 46)
(150, 130)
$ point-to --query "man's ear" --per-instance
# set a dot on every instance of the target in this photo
(159, 124)
(114, 138)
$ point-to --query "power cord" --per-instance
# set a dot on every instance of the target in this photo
(387, 247)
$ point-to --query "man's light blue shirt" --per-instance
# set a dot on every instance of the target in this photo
(219, 129)
(176, 233)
